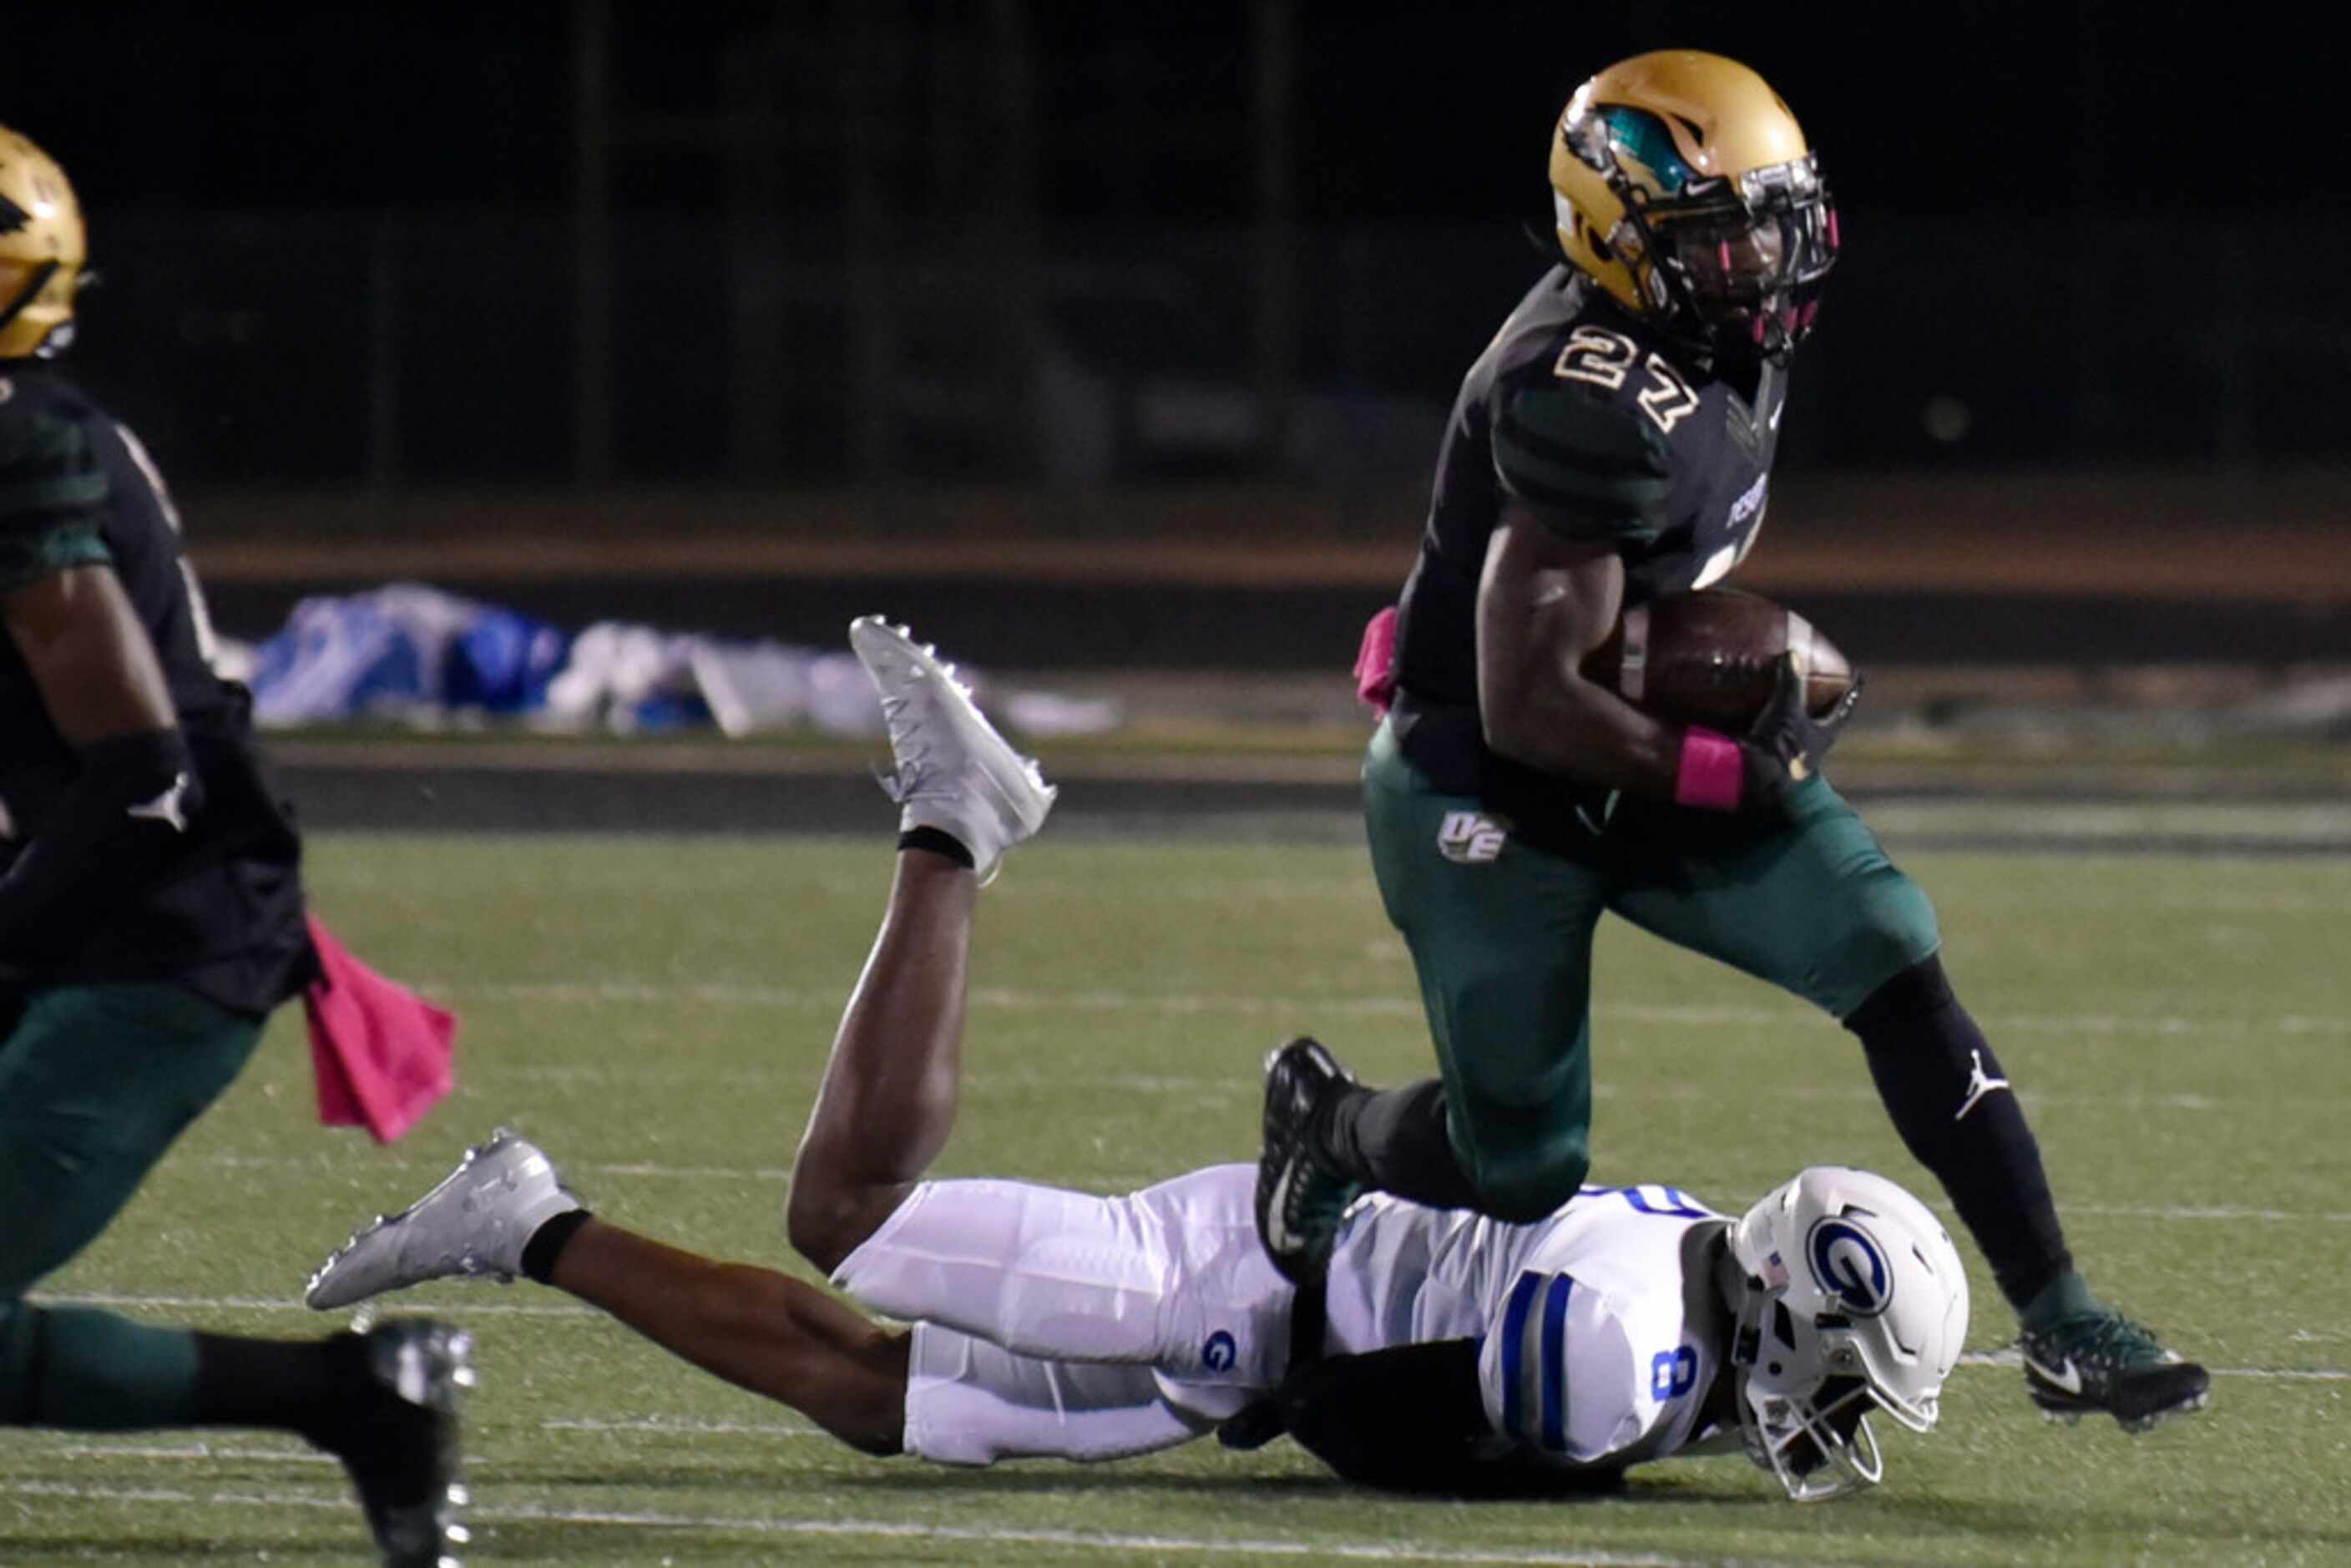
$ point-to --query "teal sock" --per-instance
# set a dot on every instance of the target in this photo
(93, 1372)
(2066, 1296)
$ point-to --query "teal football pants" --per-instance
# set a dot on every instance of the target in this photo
(95, 1083)
(1501, 933)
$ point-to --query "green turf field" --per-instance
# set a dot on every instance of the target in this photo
(655, 1013)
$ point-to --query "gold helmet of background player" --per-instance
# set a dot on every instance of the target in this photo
(1683, 187)
(42, 249)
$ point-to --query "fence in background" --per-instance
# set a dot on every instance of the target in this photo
(402, 349)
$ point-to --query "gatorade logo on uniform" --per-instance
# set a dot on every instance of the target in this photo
(1472, 838)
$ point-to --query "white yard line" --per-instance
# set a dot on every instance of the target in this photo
(1237, 1086)
(765, 1175)
(692, 1173)
(660, 1423)
(1180, 1004)
(968, 1535)
(2263, 1216)
(124, 1301)
(1107, 1181)
(685, 1427)
(2011, 1358)
(192, 1451)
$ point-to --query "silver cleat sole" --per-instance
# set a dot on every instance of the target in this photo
(473, 1224)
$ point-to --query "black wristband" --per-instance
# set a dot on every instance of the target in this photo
(938, 843)
(547, 1243)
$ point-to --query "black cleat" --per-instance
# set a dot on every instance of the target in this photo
(403, 1449)
(1301, 1192)
(2104, 1361)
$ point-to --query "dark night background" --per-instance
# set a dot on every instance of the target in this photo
(1410, 108)
(1032, 239)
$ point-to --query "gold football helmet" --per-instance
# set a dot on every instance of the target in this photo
(1683, 187)
(42, 249)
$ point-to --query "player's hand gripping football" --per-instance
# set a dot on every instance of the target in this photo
(1786, 744)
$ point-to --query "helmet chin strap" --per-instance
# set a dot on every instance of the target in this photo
(37, 280)
(1732, 1283)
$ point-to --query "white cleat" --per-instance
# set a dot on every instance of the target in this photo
(955, 773)
(472, 1225)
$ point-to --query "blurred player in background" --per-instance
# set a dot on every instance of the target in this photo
(151, 918)
(1448, 1352)
(1613, 445)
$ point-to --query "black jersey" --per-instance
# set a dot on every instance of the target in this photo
(1600, 428)
(225, 914)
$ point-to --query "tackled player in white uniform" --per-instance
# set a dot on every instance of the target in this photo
(1053, 1324)
(1443, 1352)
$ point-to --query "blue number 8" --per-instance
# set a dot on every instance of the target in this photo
(1669, 1201)
(1673, 1373)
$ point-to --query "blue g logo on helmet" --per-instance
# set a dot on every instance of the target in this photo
(1847, 1261)
(1219, 1352)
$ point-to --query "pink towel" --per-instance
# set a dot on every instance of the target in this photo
(1376, 661)
(381, 1052)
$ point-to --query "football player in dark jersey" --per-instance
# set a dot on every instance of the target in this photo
(151, 918)
(1614, 443)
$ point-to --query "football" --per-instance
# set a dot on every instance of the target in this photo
(1707, 657)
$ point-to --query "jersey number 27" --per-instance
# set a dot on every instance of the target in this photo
(1604, 359)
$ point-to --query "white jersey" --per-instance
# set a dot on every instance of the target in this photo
(1059, 1323)
(1600, 1328)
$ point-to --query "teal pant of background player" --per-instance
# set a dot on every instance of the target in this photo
(1501, 932)
(95, 1083)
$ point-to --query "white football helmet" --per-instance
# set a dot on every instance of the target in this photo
(1849, 1297)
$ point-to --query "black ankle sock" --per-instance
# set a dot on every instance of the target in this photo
(938, 844)
(294, 1385)
(1947, 1095)
(1394, 1140)
(547, 1244)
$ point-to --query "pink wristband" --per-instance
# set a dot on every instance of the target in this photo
(1376, 661)
(1710, 773)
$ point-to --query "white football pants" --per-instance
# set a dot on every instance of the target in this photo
(1060, 1324)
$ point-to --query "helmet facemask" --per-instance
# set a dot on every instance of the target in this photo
(1751, 268)
(1849, 1299)
(1811, 1432)
(44, 289)
(1729, 263)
